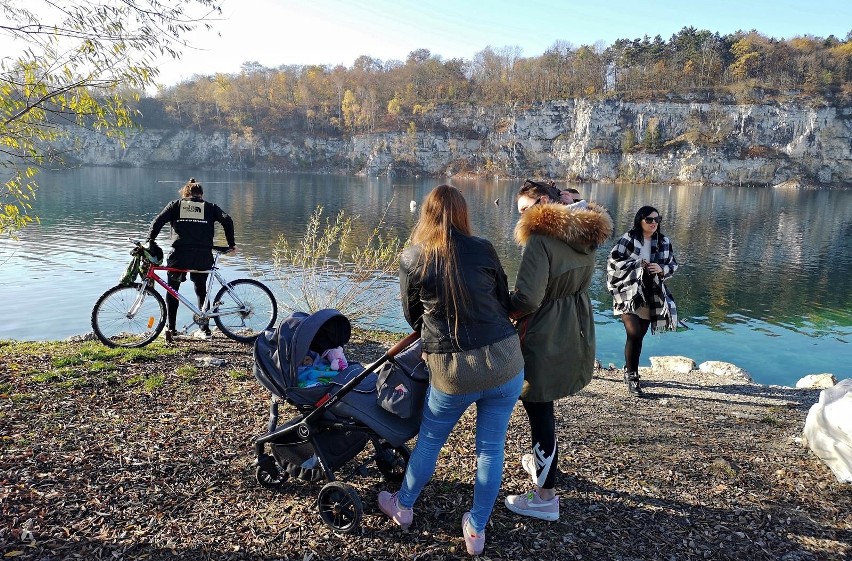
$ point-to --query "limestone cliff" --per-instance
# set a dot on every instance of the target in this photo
(607, 140)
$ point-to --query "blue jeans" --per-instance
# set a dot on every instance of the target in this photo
(493, 410)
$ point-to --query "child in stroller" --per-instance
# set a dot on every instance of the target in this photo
(381, 404)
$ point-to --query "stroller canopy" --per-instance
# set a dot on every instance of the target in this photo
(278, 353)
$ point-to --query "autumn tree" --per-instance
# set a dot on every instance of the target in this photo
(351, 110)
(492, 72)
(395, 108)
(749, 57)
(555, 71)
(76, 63)
(840, 58)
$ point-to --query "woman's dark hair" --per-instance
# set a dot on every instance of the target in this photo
(646, 210)
(191, 189)
(535, 189)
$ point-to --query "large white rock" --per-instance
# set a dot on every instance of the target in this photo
(828, 429)
(678, 364)
(723, 369)
(817, 381)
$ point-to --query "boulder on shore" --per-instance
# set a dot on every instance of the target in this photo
(678, 364)
(817, 381)
(724, 369)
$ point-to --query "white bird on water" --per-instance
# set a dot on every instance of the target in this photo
(413, 206)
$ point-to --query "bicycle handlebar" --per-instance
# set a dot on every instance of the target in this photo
(216, 248)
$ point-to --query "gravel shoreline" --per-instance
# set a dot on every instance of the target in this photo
(99, 464)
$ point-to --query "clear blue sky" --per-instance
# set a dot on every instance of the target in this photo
(276, 32)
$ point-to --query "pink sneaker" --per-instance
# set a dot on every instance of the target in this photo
(389, 505)
(530, 504)
(474, 541)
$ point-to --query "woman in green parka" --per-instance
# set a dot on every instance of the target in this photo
(555, 321)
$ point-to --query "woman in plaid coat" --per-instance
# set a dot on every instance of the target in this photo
(636, 270)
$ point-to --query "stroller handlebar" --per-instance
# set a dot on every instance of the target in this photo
(401, 345)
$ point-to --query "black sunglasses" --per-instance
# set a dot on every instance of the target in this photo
(652, 219)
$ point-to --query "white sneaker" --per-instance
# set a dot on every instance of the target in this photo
(203, 334)
(530, 504)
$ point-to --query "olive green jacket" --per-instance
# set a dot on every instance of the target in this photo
(551, 299)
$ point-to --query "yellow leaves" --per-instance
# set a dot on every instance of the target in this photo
(843, 51)
(751, 43)
(747, 66)
(806, 44)
(74, 64)
(350, 108)
(394, 106)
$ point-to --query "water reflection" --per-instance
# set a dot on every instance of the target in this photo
(764, 273)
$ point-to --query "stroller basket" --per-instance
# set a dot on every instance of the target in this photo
(337, 418)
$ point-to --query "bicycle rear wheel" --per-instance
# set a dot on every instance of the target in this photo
(245, 308)
(128, 316)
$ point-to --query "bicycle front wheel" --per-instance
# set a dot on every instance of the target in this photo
(244, 309)
(128, 316)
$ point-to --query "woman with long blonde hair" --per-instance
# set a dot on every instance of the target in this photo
(455, 292)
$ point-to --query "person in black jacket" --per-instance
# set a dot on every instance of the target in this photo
(455, 292)
(193, 223)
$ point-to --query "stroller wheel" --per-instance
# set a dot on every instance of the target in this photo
(266, 473)
(340, 507)
(392, 461)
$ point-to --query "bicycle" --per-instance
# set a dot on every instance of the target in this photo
(132, 314)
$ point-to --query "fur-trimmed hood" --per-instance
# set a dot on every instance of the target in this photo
(584, 229)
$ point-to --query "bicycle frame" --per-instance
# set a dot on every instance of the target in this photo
(133, 314)
(213, 273)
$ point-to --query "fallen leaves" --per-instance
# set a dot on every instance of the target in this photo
(107, 470)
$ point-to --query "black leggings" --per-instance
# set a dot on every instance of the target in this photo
(200, 282)
(636, 329)
(543, 431)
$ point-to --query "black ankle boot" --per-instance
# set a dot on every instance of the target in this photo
(633, 384)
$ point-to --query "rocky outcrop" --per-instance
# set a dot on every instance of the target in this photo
(603, 140)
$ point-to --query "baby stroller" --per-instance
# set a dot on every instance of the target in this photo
(336, 419)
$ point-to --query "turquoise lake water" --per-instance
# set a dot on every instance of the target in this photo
(764, 279)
